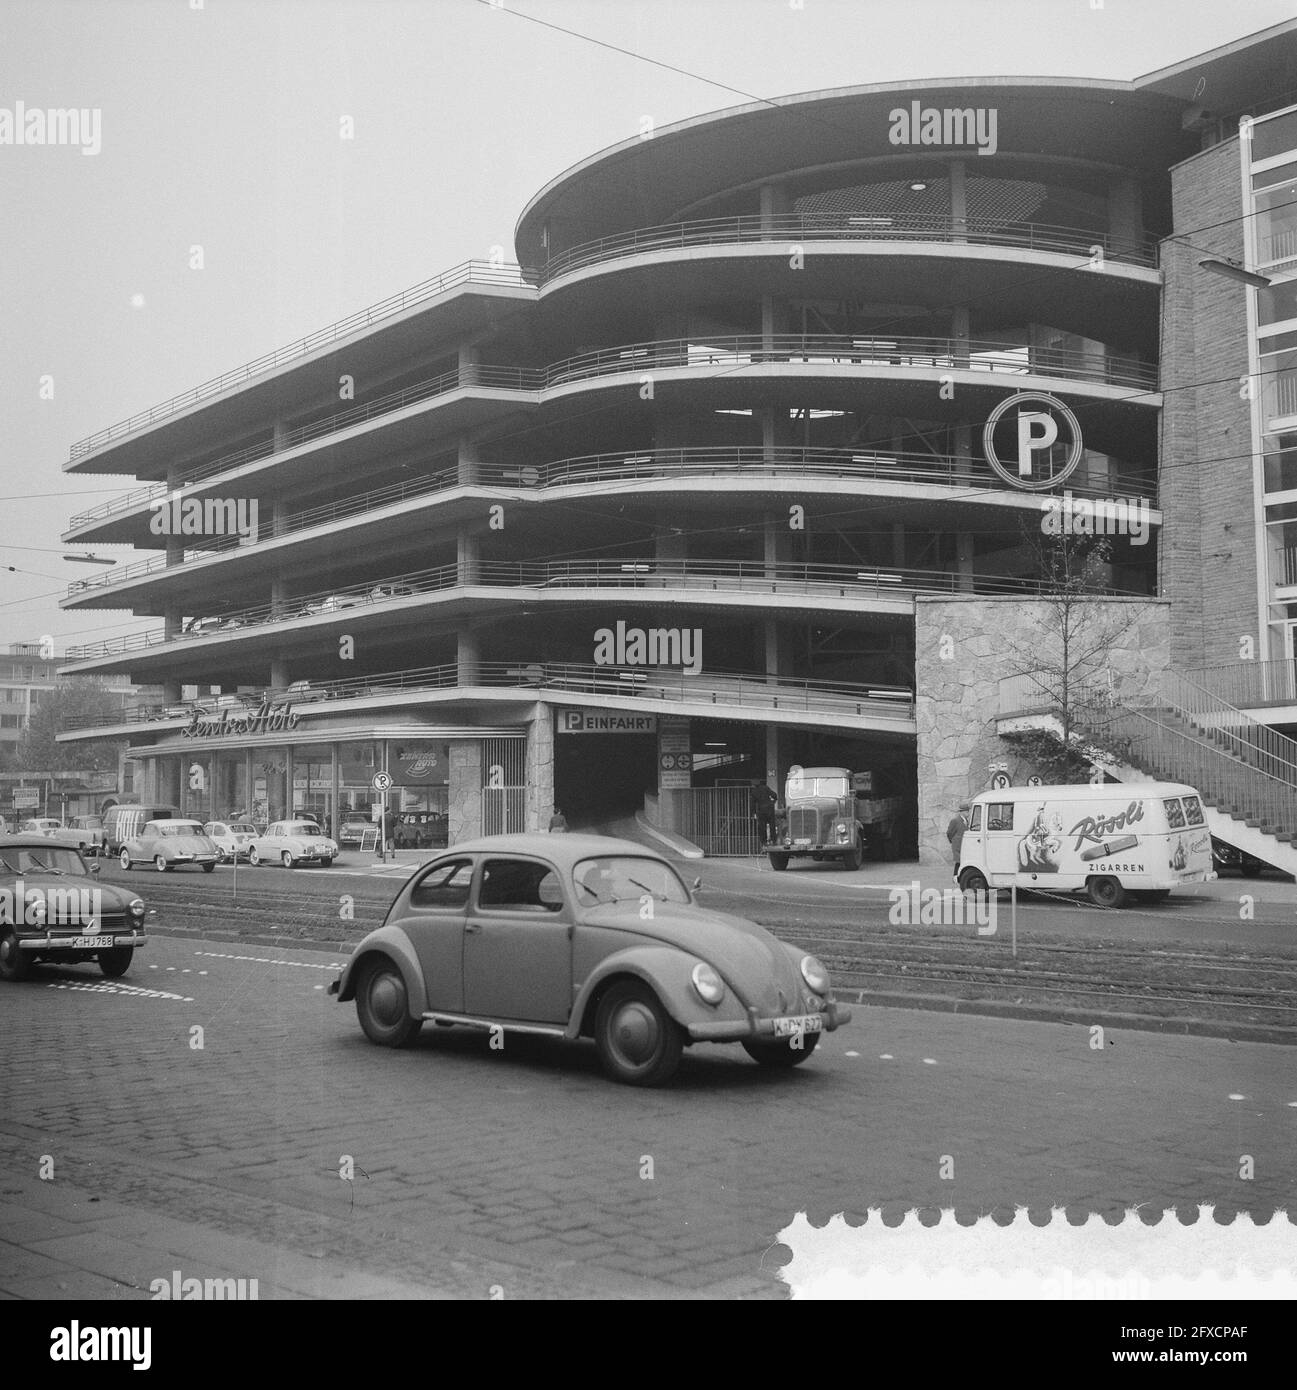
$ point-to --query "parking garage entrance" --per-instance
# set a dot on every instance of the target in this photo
(604, 762)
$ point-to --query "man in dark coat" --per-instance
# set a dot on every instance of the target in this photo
(763, 803)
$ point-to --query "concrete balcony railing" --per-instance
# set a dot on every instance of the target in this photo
(724, 689)
(648, 466)
(727, 354)
(469, 272)
(649, 575)
(854, 227)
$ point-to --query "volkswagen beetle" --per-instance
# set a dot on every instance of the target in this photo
(583, 936)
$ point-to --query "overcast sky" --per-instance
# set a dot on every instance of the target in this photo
(220, 128)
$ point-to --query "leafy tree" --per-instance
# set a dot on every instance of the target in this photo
(76, 704)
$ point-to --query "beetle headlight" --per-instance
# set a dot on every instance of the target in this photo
(135, 907)
(815, 975)
(710, 986)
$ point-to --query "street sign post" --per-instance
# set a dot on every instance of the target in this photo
(1010, 881)
(381, 782)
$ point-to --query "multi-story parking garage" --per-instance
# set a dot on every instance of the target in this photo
(698, 490)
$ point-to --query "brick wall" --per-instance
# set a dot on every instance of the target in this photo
(1207, 554)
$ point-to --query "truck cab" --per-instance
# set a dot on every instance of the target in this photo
(821, 819)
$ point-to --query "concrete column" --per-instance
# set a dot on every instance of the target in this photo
(670, 548)
(775, 203)
(277, 520)
(1125, 213)
(279, 678)
(774, 768)
(540, 768)
(468, 557)
(170, 692)
(776, 543)
(964, 553)
(175, 551)
(467, 659)
(469, 460)
(963, 453)
(464, 794)
(898, 544)
(959, 331)
(279, 438)
(469, 357)
(278, 595)
(170, 622)
(958, 201)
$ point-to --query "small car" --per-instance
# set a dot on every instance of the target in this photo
(233, 838)
(52, 907)
(40, 825)
(86, 832)
(170, 844)
(583, 936)
(353, 827)
(380, 593)
(1227, 857)
(331, 603)
(293, 842)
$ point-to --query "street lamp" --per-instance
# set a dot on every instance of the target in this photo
(1232, 271)
(90, 559)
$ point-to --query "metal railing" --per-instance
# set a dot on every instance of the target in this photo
(650, 464)
(1183, 733)
(467, 272)
(1245, 684)
(645, 574)
(724, 690)
(847, 226)
(727, 353)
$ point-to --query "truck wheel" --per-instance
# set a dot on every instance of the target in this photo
(778, 862)
(854, 857)
(1105, 891)
(973, 881)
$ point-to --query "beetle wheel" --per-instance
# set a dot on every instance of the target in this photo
(780, 1052)
(639, 1042)
(383, 1006)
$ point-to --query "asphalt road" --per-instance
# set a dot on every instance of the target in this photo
(523, 1172)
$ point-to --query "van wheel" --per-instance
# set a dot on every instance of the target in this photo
(973, 881)
(1105, 891)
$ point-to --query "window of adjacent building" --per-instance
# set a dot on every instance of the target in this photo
(11, 721)
(1278, 385)
(1281, 462)
(1274, 136)
(1278, 304)
(1276, 224)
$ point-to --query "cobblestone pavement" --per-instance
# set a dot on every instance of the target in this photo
(524, 1172)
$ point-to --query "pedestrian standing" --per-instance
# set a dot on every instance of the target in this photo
(557, 822)
(955, 831)
(763, 802)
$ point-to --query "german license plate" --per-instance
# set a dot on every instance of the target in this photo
(89, 943)
(804, 840)
(789, 1027)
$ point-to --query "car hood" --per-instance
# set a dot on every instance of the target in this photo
(111, 897)
(754, 963)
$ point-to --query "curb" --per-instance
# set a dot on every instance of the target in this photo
(1043, 1013)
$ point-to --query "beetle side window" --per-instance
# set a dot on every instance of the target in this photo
(519, 885)
(446, 886)
(999, 815)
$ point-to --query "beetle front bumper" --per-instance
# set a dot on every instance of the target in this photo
(756, 1026)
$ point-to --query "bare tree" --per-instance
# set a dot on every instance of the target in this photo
(1066, 657)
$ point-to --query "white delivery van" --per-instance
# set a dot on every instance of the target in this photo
(1114, 840)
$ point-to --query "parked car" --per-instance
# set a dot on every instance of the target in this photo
(41, 825)
(293, 842)
(1227, 857)
(170, 844)
(382, 592)
(233, 838)
(57, 909)
(353, 828)
(421, 830)
(583, 936)
(125, 820)
(331, 603)
(86, 832)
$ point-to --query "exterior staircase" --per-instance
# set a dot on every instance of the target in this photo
(1245, 771)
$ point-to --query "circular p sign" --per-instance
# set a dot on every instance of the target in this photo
(1038, 436)
(381, 781)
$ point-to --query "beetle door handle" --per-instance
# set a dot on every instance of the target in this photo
(472, 928)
